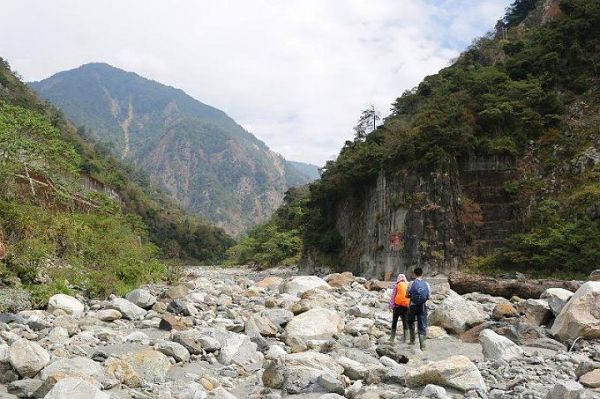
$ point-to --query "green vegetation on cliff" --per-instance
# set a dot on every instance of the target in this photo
(277, 242)
(72, 216)
(533, 94)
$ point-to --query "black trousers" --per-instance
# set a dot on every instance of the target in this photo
(399, 312)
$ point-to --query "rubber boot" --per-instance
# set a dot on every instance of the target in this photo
(412, 336)
(422, 339)
(405, 336)
(393, 336)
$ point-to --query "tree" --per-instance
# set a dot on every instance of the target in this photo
(366, 123)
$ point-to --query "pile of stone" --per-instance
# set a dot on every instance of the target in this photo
(235, 333)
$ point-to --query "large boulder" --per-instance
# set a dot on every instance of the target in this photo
(456, 372)
(78, 367)
(27, 357)
(557, 298)
(303, 373)
(301, 284)
(340, 279)
(271, 282)
(566, 390)
(456, 314)
(591, 379)
(497, 347)
(75, 388)
(581, 315)
(108, 315)
(173, 349)
(359, 326)
(537, 311)
(191, 340)
(66, 303)
(278, 316)
(316, 323)
(128, 309)
(260, 325)
(142, 298)
(237, 349)
(136, 368)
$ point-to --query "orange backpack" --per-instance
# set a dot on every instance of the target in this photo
(400, 299)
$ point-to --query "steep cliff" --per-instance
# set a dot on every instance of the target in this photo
(491, 163)
(208, 162)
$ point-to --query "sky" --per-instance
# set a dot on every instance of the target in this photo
(296, 73)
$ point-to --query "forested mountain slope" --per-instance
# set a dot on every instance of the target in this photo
(208, 162)
(72, 216)
(493, 162)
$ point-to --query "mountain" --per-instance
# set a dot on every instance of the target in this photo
(492, 164)
(208, 162)
(307, 169)
(75, 218)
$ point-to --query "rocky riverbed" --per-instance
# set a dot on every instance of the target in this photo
(236, 333)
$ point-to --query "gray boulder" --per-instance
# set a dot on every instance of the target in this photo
(75, 388)
(456, 372)
(566, 390)
(305, 372)
(173, 349)
(316, 323)
(579, 317)
(537, 311)
(557, 298)
(128, 309)
(497, 347)
(138, 368)
(108, 315)
(79, 367)
(300, 284)
(456, 315)
(27, 357)
(141, 297)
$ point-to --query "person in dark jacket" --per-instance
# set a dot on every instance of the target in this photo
(419, 292)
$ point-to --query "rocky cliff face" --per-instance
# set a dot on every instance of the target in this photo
(434, 221)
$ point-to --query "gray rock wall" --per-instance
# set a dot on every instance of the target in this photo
(434, 221)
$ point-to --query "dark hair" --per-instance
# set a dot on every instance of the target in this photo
(418, 272)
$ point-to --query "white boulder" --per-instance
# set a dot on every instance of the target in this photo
(580, 317)
(316, 323)
(299, 285)
(497, 347)
(66, 303)
(456, 315)
(456, 372)
(75, 388)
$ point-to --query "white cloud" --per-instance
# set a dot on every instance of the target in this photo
(297, 72)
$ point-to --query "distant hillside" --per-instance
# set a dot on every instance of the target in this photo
(307, 169)
(73, 217)
(199, 154)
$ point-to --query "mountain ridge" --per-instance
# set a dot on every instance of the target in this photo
(207, 161)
